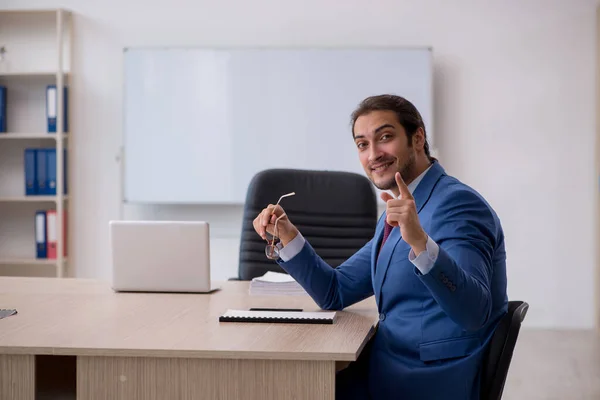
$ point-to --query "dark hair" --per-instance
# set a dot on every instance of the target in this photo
(408, 115)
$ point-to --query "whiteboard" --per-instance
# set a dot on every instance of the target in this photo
(199, 123)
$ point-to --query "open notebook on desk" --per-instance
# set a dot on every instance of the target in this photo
(276, 283)
(298, 317)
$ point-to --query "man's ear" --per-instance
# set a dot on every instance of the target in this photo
(418, 139)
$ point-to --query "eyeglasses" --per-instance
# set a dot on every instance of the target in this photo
(271, 250)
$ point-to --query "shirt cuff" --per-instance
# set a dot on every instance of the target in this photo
(294, 247)
(426, 259)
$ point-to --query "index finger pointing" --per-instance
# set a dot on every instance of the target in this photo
(404, 192)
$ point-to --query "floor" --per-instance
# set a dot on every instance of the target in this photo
(553, 365)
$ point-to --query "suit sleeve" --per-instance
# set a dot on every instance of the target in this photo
(466, 232)
(332, 288)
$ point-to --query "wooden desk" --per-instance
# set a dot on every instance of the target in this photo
(167, 346)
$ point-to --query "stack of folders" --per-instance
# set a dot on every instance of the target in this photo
(46, 234)
(40, 171)
(276, 283)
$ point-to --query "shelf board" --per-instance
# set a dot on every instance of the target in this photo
(26, 136)
(32, 10)
(28, 261)
(31, 199)
(31, 74)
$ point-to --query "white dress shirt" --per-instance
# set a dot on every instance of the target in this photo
(424, 261)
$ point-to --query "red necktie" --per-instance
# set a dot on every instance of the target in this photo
(386, 232)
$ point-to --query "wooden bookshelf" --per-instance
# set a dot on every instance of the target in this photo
(38, 48)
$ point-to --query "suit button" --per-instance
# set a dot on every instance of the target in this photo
(381, 316)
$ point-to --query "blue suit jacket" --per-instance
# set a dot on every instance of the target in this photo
(433, 328)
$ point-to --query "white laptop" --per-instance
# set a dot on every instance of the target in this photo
(161, 256)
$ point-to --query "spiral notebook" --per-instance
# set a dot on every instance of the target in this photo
(294, 317)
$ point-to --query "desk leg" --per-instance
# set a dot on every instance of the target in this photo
(17, 377)
(116, 378)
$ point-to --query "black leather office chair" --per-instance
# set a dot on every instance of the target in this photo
(500, 351)
(335, 211)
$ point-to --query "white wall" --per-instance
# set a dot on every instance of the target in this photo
(515, 113)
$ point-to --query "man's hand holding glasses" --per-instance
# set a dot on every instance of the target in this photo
(273, 222)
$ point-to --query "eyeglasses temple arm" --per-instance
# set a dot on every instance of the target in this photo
(285, 195)
(275, 227)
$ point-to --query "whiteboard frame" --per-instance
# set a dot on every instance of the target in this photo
(121, 156)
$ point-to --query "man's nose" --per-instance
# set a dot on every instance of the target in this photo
(374, 153)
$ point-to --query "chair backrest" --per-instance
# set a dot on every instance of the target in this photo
(500, 351)
(335, 211)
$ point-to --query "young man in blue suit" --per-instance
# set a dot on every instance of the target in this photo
(436, 266)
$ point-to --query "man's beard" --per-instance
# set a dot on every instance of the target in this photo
(407, 171)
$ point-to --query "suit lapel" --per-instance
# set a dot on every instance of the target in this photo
(423, 191)
(384, 259)
(375, 246)
(421, 195)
